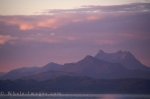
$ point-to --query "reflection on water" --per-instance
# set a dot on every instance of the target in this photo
(109, 97)
(100, 96)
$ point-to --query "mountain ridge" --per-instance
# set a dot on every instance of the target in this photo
(120, 64)
(125, 58)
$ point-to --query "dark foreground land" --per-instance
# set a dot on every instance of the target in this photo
(68, 84)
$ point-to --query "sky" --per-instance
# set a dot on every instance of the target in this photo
(36, 32)
(28, 7)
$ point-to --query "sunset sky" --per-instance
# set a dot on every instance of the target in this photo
(36, 32)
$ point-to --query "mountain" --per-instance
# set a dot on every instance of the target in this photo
(1, 74)
(95, 68)
(29, 72)
(51, 66)
(102, 69)
(118, 65)
(125, 58)
(20, 73)
(44, 76)
(118, 72)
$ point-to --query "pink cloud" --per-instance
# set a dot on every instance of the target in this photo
(49, 23)
(93, 17)
(25, 23)
(25, 26)
(6, 39)
(21, 24)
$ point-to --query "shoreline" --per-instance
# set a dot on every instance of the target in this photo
(69, 95)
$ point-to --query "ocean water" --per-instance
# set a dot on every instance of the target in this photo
(101, 96)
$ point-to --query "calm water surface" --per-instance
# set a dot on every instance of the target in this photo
(106, 96)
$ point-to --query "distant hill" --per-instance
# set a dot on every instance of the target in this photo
(121, 64)
(118, 72)
(1, 74)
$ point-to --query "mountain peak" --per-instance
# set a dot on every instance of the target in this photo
(51, 66)
(124, 55)
(88, 57)
(119, 54)
(101, 51)
(125, 58)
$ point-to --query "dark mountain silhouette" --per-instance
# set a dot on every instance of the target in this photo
(1, 74)
(52, 66)
(125, 58)
(43, 76)
(19, 73)
(30, 72)
(95, 68)
(118, 72)
(121, 64)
